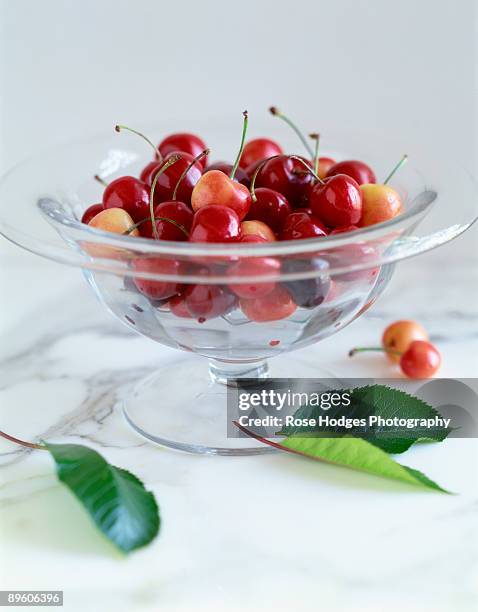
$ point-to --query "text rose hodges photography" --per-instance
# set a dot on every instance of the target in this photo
(362, 408)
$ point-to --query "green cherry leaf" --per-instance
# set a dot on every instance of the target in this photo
(353, 453)
(117, 501)
(383, 401)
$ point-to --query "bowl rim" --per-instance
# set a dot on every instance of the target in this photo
(395, 229)
(153, 247)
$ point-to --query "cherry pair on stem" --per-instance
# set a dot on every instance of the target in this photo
(406, 343)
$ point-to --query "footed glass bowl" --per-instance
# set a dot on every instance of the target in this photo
(298, 292)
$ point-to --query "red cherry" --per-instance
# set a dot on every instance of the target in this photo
(254, 266)
(270, 207)
(420, 360)
(300, 225)
(178, 212)
(157, 290)
(130, 194)
(288, 177)
(167, 181)
(215, 187)
(304, 209)
(91, 212)
(148, 172)
(177, 305)
(206, 302)
(276, 305)
(258, 149)
(337, 202)
(343, 229)
(240, 176)
(359, 171)
(251, 169)
(185, 143)
(215, 224)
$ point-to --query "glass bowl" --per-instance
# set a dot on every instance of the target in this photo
(307, 289)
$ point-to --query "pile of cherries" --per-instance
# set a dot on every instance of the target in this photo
(264, 196)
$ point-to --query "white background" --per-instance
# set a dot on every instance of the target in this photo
(401, 69)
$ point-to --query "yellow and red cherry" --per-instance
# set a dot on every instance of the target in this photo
(257, 228)
(241, 176)
(398, 336)
(91, 212)
(358, 170)
(157, 290)
(337, 201)
(270, 207)
(300, 225)
(130, 194)
(324, 165)
(185, 143)
(215, 224)
(215, 187)
(258, 149)
(254, 266)
(420, 360)
(115, 220)
(173, 222)
(276, 305)
(381, 202)
(253, 238)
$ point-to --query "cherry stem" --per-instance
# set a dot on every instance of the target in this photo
(401, 163)
(364, 349)
(252, 188)
(316, 137)
(157, 152)
(241, 148)
(100, 180)
(307, 167)
(136, 225)
(277, 113)
(22, 442)
(186, 170)
(172, 160)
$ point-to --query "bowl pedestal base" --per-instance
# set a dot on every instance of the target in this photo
(183, 406)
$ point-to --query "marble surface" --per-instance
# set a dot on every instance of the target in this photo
(256, 533)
